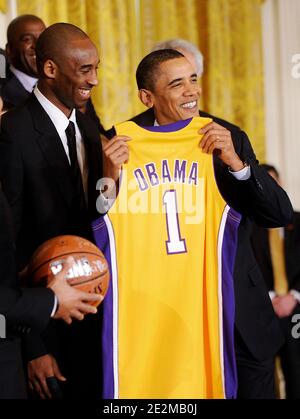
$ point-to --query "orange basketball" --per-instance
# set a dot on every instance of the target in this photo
(89, 272)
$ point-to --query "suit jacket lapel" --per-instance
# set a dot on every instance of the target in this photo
(51, 146)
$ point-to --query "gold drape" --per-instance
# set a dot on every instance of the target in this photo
(167, 19)
(231, 41)
(3, 5)
(112, 25)
(227, 31)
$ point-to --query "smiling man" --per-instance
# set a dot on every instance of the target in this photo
(168, 86)
(50, 162)
(174, 90)
(22, 35)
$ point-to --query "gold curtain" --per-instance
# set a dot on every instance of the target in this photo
(160, 20)
(228, 33)
(112, 25)
(231, 41)
(3, 5)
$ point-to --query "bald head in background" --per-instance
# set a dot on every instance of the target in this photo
(67, 63)
(22, 35)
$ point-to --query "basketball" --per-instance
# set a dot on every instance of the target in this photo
(89, 272)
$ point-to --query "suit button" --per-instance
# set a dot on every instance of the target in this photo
(259, 184)
(26, 330)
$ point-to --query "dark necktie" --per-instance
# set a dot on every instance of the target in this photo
(79, 200)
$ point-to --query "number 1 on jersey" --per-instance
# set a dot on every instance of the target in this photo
(175, 243)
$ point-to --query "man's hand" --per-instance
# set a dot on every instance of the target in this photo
(115, 153)
(284, 305)
(216, 137)
(72, 303)
(39, 370)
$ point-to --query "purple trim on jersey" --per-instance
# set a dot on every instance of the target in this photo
(102, 241)
(229, 247)
(175, 126)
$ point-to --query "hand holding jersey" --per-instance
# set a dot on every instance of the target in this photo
(174, 96)
(250, 191)
(115, 154)
(219, 138)
(170, 241)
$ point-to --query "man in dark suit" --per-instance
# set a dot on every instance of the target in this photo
(283, 283)
(50, 163)
(22, 35)
(21, 77)
(168, 86)
(24, 309)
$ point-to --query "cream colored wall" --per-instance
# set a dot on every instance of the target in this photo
(281, 34)
(5, 19)
(3, 26)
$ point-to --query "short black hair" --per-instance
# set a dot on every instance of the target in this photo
(270, 168)
(146, 71)
(53, 43)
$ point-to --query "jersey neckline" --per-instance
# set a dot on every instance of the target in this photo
(174, 126)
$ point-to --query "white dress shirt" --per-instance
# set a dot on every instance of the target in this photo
(28, 82)
(61, 122)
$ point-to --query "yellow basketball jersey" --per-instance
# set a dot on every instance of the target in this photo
(170, 240)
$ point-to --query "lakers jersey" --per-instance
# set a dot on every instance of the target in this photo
(170, 240)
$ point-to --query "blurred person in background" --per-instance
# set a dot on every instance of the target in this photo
(277, 252)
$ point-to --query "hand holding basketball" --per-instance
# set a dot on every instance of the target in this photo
(67, 262)
(72, 303)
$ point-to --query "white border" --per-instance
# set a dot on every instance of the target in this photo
(220, 244)
(114, 280)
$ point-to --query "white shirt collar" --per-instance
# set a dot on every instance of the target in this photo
(59, 119)
(28, 82)
(156, 124)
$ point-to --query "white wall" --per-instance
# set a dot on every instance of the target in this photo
(5, 19)
(3, 26)
(281, 36)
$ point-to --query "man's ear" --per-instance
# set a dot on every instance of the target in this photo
(146, 97)
(50, 69)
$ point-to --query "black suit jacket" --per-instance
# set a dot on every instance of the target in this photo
(261, 246)
(36, 177)
(13, 93)
(261, 200)
(23, 310)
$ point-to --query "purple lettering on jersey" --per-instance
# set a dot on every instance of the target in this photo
(165, 171)
(151, 171)
(193, 176)
(179, 171)
(140, 178)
